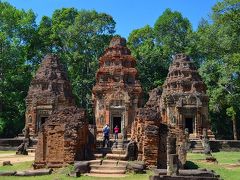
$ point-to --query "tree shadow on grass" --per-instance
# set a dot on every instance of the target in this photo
(190, 165)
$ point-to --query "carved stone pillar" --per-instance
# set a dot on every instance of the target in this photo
(107, 117)
(172, 157)
(198, 124)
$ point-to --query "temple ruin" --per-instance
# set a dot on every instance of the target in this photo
(117, 93)
(49, 90)
(154, 133)
(184, 102)
(62, 139)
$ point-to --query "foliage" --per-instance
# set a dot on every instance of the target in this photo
(79, 38)
(172, 33)
(151, 66)
(17, 28)
(154, 47)
(219, 44)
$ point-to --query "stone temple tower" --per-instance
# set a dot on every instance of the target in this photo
(49, 90)
(117, 93)
(184, 102)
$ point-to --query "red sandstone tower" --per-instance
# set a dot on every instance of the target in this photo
(50, 90)
(184, 102)
(117, 93)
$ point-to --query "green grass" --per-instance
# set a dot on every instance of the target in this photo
(7, 152)
(60, 174)
(224, 160)
(17, 166)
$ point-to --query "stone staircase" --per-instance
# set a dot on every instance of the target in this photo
(116, 151)
(108, 167)
(33, 146)
(32, 149)
(196, 146)
(109, 160)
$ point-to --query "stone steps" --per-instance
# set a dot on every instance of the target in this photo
(108, 162)
(118, 176)
(197, 148)
(106, 167)
(107, 171)
(32, 149)
(116, 156)
(116, 152)
(98, 155)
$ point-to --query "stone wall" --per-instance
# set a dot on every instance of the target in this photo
(62, 139)
(13, 143)
(145, 130)
(151, 133)
(222, 145)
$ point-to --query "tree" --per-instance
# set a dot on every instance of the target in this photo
(17, 29)
(79, 38)
(173, 33)
(219, 45)
(84, 42)
(151, 66)
(155, 47)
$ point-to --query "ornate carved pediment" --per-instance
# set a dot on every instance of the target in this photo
(118, 95)
(169, 99)
(190, 100)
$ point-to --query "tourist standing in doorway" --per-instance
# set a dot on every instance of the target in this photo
(106, 131)
(116, 131)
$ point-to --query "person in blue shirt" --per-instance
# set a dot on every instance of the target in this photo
(106, 131)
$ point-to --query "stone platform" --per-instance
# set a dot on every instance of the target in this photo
(186, 174)
(7, 144)
(217, 145)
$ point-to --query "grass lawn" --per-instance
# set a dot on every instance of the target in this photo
(225, 167)
(7, 152)
(60, 174)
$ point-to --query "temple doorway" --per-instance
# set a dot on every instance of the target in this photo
(189, 124)
(43, 120)
(40, 122)
(116, 122)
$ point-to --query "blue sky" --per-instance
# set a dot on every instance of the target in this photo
(128, 14)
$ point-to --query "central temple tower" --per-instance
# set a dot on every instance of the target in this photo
(117, 93)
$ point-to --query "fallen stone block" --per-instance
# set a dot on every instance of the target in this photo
(7, 173)
(82, 167)
(74, 174)
(137, 167)
(7, 163)
(38, 172)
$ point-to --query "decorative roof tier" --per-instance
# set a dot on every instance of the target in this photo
(183, 77)
(117, 68)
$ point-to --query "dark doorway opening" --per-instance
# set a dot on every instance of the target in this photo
(43, 120)
(117, 122)
(40, 121)
(189, 124)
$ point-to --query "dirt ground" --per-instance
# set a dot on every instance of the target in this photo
(16, 158)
